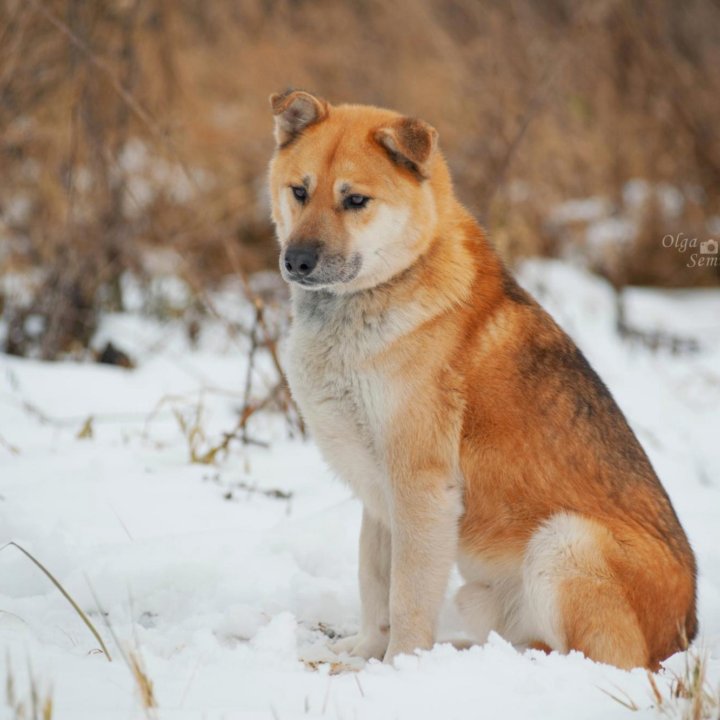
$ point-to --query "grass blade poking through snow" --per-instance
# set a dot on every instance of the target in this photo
(39, 706)
(135, 664)
(65, 594)
(688, 695)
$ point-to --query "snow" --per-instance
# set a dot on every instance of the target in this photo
(610, 232)
(580, 210)
(713, 225)
(227, 592)
(146, 173)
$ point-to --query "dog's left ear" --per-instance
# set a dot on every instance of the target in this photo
(294, 110)
(411, 143)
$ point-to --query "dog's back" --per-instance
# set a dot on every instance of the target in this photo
(550, 460)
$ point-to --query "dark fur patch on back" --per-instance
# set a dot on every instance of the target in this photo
(563, 364)
(562, 382)
(512, 290)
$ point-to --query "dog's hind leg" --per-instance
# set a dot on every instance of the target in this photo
(571, 598)
(480, 610)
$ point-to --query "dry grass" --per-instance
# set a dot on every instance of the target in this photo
(690, 696)
(132, 657)
(128, 125)
(64, 593)
(38, 705)
(143, 683)
(687, 695)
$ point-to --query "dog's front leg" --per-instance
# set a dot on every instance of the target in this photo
(425, 513)
(374, 576)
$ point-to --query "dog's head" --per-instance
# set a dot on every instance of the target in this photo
(351, 197)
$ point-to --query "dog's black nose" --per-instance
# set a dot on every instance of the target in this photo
(300, 260)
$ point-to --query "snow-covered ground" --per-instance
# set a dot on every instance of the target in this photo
(227, 593)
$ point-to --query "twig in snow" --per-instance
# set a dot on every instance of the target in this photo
(12, 449)
(274, 493)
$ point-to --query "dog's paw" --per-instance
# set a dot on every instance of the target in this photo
(364, 646)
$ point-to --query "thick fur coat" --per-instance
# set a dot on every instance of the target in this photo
(468, 423)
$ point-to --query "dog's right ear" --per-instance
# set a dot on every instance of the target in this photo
(295, 110)
(410, 143)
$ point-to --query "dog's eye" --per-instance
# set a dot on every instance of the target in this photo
(300, 193)
(355, 202)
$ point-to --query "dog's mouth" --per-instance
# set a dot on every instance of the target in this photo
(307, 282)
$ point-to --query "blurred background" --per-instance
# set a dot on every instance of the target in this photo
(135, 137)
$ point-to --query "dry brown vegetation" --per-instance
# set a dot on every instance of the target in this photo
(36, 704)
(127, 125)
(684, 695)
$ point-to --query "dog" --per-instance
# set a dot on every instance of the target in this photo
(468, 423)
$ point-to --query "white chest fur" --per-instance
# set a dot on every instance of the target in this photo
(345, 398)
